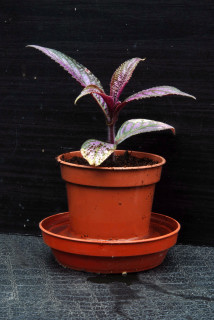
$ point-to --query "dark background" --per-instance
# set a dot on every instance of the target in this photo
(39, 121)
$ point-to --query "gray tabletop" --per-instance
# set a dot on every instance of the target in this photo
(34, 287)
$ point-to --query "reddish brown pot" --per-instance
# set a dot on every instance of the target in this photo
(110, 203)
(109, 256)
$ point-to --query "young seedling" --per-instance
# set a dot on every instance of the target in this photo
(95, 151)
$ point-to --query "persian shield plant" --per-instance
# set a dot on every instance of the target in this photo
(95, 151)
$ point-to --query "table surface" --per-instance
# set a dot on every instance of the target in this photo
(34, 287)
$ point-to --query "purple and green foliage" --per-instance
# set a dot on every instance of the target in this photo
(94, 151)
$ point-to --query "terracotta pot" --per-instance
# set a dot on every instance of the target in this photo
(110, 203)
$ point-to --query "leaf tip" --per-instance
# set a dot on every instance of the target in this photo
(173, 130)
(75, 102)
(188, 95)
(30, 46)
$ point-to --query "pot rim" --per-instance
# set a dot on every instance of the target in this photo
(147, 154)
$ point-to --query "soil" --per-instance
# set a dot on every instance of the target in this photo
(125, 160)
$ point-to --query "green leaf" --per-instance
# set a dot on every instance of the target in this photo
(95, 151)
(136, 126)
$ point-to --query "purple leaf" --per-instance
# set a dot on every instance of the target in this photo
(136, 126)
(156, 92)
(95, 152)
(121, 77)
(92, 89)
(77, 70)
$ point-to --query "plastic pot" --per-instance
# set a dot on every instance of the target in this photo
(110, 203)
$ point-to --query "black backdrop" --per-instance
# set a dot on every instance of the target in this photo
(39, 121)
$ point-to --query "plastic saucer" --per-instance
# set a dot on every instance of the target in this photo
(109, 256)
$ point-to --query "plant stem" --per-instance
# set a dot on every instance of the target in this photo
(111, 133)
(111, 137)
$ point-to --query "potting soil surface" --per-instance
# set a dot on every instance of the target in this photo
(34, 287)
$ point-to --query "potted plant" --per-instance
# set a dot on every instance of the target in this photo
(109, 226)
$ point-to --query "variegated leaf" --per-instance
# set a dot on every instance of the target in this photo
(136, 126)
(94, 89)
(95, 151)
(121, 77)
(157, 92)
(77, 70)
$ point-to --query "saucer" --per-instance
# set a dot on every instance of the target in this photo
(109, 256)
